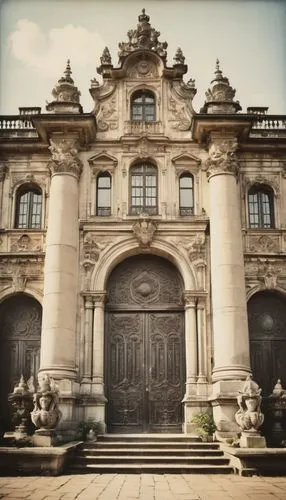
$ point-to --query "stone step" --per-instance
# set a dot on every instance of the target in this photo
(149, 437)
(119, 459)
(150, 451)
(158, 468)
(150, 444)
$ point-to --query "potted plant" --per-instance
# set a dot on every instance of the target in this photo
(88, 429)
(205, 425)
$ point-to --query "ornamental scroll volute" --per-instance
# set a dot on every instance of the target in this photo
(222, 156)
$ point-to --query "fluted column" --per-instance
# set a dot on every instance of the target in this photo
(230, 329)
(98, 342)
(191, 343)
(58, 341)
(88, 332)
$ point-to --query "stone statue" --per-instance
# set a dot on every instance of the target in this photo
(249, 416)
(46, 414)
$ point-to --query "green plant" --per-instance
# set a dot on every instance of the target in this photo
(204, 423)
(85, 426)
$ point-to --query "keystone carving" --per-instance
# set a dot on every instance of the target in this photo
(64, 157)
(144, 230)
(222, 157)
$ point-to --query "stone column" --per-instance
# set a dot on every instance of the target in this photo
(189, 401)
(98, 343)
(230, 328)
(191, 342)
(202, 340)
(58, 341)
(88, 333)
(3, 170)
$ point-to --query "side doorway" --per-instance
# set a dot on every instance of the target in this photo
(267, 334)
(20, 341)
(145, 347)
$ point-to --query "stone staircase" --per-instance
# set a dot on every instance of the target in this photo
(152, 453)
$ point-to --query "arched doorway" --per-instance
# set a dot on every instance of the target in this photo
(144, 347)
(20, 338)
(267, 334)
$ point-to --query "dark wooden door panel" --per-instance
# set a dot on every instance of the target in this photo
(166, 374)
(125, 377)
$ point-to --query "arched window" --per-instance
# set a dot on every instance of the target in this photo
(260, 207)
(28, 207)
(143, 188)
(103, 194)
(143, 106)
(186, 194)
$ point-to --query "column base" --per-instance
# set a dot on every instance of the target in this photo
(233, 372)
(45, 438)
(224, 403)
(59, 372)
(249, 440)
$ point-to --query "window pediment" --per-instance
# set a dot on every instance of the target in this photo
(185, 162)
(103, 162)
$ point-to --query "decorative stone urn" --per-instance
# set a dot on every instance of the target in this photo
(276, 404)
(21, 400)
(46, 414)
(249, 416)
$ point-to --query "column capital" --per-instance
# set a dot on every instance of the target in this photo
(64, 156)
(222, 155)
(189, 298)
(99, 297)
(88, 302)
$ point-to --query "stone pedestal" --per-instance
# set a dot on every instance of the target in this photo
(45, 438)
(249, 440)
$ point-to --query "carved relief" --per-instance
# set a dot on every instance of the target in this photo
(222, 157)
(145, 280)
(263, 243)
(108, 116)
(143, 68)
(3, 170)
(271, 275)
(144, 230)
(25, 244)
(31, 178)
(21, 269)
(92, 246)
(178, 117)
(21, 317)
(195, 246)
(64, 157)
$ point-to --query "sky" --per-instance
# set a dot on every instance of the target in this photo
(38, 36)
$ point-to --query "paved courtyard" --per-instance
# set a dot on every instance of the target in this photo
(143, 487)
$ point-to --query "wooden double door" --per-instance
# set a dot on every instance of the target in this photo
(144, 348)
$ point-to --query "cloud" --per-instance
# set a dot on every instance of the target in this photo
(47, 52)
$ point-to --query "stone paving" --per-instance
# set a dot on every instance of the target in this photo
(143, 487)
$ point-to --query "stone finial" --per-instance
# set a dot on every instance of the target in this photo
(249, 416)
(106, 57)
(179, 57)
(66, 94)
(142, 37)
(219, 97)
(278, 390)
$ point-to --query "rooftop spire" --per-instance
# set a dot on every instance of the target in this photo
(143, 37)
(66, 94)
(219, 98)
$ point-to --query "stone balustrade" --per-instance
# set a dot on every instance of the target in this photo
(17, 126)
(133, 127)
(269, 126)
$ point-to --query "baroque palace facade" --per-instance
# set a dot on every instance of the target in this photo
(142, 246)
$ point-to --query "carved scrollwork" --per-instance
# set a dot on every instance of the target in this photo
(272, 181)
(64, 157)
(263, 243)
(144, 230)
(222, 157)
(25, 244)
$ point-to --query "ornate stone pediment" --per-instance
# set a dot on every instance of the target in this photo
(103, 162)
(186, 162)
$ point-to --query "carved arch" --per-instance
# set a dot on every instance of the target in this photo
(31, 292)
(261, 287)
(117, 253)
